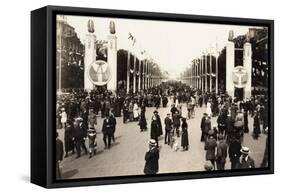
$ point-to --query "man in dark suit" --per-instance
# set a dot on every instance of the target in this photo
(79, 136)
(152, 158)
(245, 160)
(113, 121)
(173, 109)
(202, 126)
(221, 152)
(210, 147)
(59, 156)
(234, 151)
(229, 133)
(207, 127)
(168, 127)
(107, 130)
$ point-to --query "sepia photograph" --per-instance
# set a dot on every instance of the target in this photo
(151, 97)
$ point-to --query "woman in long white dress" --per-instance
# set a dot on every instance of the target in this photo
(209, 111)
(136, 111)
(63, 117)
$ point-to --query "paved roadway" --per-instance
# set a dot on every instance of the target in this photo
(126, 156)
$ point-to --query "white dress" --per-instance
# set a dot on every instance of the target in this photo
(63, 117)
(136, 110)
(209, 111)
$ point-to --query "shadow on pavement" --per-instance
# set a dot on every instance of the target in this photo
(117, 137)
(70, 173)
(99, 152)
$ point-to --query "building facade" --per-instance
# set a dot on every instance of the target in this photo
(69, 58)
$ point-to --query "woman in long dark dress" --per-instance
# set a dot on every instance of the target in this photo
(184, 137)
(68, 138)
(246, 123)
(142, 122)
(257, 129)
(154, 129)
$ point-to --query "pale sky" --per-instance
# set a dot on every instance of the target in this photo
(173, 45)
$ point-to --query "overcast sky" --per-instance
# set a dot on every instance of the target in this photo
(172, 45)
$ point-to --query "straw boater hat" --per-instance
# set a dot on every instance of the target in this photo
(79, 119)
(245, 150)
(92, 132)
(152, 142)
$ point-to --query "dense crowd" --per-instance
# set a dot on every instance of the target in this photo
(77, 112)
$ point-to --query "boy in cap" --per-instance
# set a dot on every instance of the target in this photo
(92, 142)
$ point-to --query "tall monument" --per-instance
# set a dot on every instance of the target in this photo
(230, 53)
(90, 54)
(112, 57)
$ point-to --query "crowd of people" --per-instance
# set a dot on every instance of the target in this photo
(225, 137)
(77, 112)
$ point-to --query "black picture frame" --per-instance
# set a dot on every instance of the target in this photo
(43, 94)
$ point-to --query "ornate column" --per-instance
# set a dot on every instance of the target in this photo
(90, 54)
(112, 57)
(139, 77)
(197, 73)
(143, 75)
(148, 75)
(202, 74)
(128, 71)
(217, 78)
(247, 61)
(147, 78)
(211, 78)
(230, 51)
(134, 74)
(206, 72)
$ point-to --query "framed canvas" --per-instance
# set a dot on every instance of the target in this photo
(126, 96)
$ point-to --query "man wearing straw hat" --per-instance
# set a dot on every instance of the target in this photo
(245, 160)
(152, 158)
